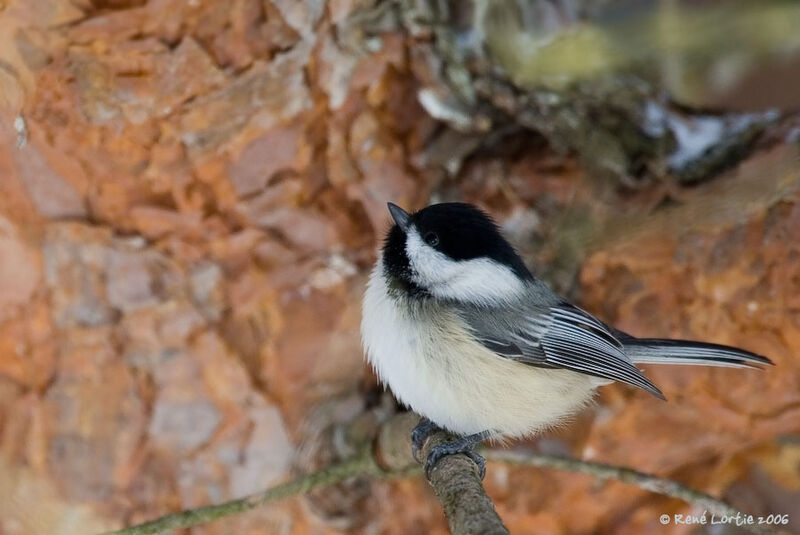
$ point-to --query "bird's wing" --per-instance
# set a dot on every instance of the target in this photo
(556, 336)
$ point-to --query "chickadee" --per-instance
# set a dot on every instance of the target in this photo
(469, 339)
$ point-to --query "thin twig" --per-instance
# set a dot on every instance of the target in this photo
(364, 464)
(657, 485)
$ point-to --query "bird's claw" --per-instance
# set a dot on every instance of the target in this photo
(440, 451)
(465, 445)
(424, 429)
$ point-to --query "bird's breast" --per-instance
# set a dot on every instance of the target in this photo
(424, 352)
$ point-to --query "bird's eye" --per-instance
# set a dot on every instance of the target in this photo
(432, 239)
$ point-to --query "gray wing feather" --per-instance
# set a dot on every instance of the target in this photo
(559, 335)
(661, 351)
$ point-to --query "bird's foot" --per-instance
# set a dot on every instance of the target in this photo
(465, 445)
(424, 429)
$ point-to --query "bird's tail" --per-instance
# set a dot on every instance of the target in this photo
(664, 351)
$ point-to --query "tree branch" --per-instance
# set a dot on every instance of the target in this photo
(455, 481)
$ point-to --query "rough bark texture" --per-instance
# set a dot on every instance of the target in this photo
(458, 486)
(191, 196)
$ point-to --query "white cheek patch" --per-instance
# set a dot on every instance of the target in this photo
(479, 280)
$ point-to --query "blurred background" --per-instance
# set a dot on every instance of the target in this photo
(191, 197)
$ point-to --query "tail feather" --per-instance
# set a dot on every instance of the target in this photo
(664, 351)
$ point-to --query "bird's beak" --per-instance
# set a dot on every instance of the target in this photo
(400, 216)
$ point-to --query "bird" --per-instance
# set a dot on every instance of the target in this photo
(462, 332)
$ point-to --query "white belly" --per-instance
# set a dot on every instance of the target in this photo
(434, 367)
